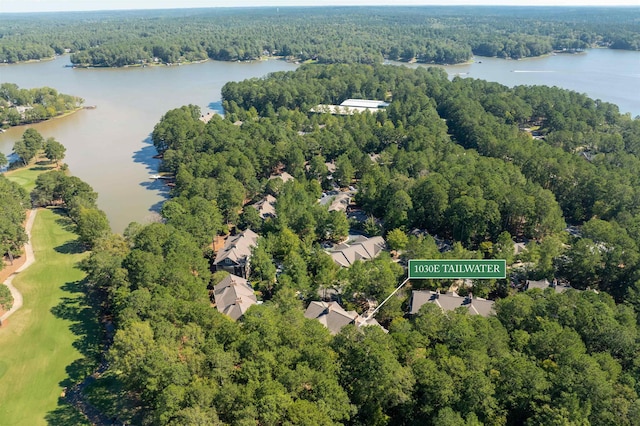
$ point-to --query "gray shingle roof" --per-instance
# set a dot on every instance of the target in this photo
(543, 284)
(334, 317)
(286, 177)
(266, 207)
(450, 301)
(340, 202)
(234, 296)
(344, 255)
(238, 248)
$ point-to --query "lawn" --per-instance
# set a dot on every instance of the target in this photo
(51, 342)
(26, 176)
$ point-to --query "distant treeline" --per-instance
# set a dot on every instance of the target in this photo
(325, 34)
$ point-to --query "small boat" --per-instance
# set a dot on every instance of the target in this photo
(154, 177)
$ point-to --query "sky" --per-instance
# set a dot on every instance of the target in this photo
(72, 5)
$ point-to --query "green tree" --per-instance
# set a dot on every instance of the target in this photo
(317, 168)
(92, 225)
(196, 215)
(13, 204)
(344, 171)
(54, 150)
(397, 239)
(337, 226)
(250, 219)
(551, 248)
(33, 139)
(397, 214)
(504, 248)
(23, 152)
(263, 271)
(374, 379)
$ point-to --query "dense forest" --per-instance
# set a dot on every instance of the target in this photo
(323, 34)
(24, 106)
(472, 163)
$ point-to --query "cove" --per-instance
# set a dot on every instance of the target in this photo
(109, 146)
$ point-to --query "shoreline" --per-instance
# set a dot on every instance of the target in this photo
(32, 61)
(294, 60)
(63, 115)
(177, 64)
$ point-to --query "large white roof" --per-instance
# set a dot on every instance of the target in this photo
(364, 103)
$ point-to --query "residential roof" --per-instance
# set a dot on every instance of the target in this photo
(543, 284)
(238, 247)
(286, 177)
(266, 207)
(344, 254)
(342, 110)
(207, 117)
(450, 301)
(340, 202)
(519, 248)
(331, 315)
(233, 296)
(334, 317)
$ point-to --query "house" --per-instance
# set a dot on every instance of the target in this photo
(340, 202)
(234, 256)
(207, 117)
(361, 248)
(286, 177)
(23, 109)
(334, 317)
(266, 207)
(544, 284)
(449, 302)
(331, 166)
(351, 106)
(519, 248)
(233, 296)
(364, 103)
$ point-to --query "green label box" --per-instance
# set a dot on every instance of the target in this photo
(445, 269)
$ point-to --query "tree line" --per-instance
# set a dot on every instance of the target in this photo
(326, 35)
(15, 200)
(13, 205)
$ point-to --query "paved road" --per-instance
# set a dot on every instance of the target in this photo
(30, 258)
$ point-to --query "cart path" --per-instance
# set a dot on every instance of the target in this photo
(30, 258)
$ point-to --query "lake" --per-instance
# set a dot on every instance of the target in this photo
(109, 146)
(606, 74)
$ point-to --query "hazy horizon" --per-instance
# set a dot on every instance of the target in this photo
(30, 6)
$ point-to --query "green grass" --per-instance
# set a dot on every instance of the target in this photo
(52, 341)
(26, 176)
